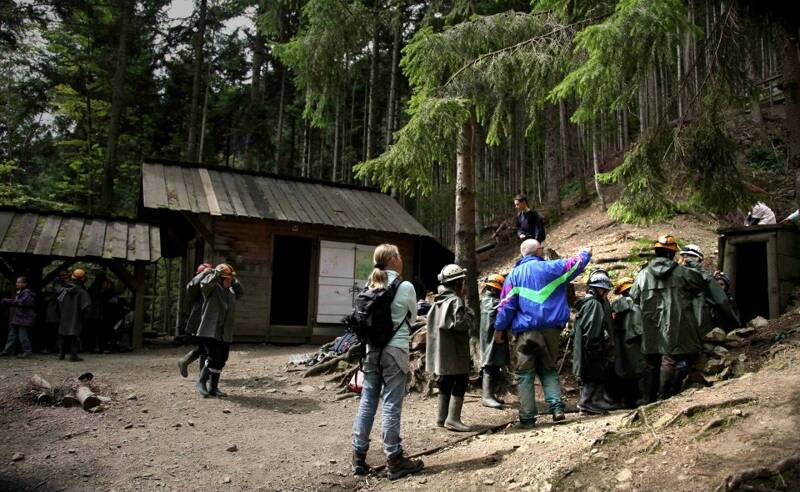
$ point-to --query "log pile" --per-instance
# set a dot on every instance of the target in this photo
(72, 392)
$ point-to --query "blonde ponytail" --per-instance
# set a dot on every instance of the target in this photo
(384, 253)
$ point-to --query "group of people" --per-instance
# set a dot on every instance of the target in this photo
(79, 318)
(212, 294)
(632, 351)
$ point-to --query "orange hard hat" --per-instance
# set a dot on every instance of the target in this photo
(496, 281)
(79, 274)
(623, 284)
(667, 242)
(225, 270)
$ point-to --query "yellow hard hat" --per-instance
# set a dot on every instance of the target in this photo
(667, 242)
(79, 274)
(496, 281)
(622, 284)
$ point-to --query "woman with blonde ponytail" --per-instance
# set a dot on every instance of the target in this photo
(385, 371)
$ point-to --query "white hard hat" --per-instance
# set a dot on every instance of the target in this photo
(599, 278)
(692, 250)
(451, 272)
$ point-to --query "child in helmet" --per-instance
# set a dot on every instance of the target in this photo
(447, 352)
(627, 318)
(494, 347)
(589, 355)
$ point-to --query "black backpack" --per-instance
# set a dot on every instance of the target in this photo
(371, 319)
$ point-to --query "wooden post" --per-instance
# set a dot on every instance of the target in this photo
(138, 310)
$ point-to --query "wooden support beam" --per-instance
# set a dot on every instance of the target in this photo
(7, 270)
(123, 274)
(52, 275)
(201, 228)
(138, 310)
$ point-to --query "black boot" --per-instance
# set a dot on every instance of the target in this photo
(399, 466)
(183, 362)
(360, 466)
(443, 407)
(488, 399)
(453, 421)
(73, 357)
(586, 403)
(213, 389)
(202, 379)
(666, 382)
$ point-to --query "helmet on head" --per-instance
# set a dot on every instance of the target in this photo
(718, 275)
(495, 281)
(225, 270)
(666, 242)
(202, 267)
(623, 284)
(79, 274)
(599, 279)
(451, 272)
(692, 250)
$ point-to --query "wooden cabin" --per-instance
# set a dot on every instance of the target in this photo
(301, 248)
(30, 241)
(763, 263)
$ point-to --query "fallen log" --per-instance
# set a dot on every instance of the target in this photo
(42, 389)
(736, 481)
(86, 397)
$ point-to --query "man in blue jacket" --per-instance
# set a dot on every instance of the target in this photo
(534, 305)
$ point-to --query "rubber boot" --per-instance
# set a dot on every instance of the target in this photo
(586, 403)
(666, 381)
(601, 400)
(202, 380)
(74, 344)
(360, 466)
(399, 466)
(183, 362)
(487, 399)
(214, 390)
(653, 384)
(453, 421)
(202, 361)
(644, 390)
(442, 409)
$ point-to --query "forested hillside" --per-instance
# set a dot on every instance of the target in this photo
(511, 96)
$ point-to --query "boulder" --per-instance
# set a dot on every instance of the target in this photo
(720, 351)
(743, 332)
(758, 323)
(717, 335)
(714, 366)
(419, 340)
(708, 348)
(733, 341)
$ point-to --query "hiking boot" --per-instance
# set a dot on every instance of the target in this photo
(399, 466)
(202, 379)
(75, 359)
(213, 390)
(590, 409)
(524, 425)
(360, 466)
(558, 415)
(487, 398)
(453, 421)
(183, 362)
(442, 409)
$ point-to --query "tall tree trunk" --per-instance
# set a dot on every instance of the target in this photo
(204, 117)
(465, 212)
(194, 110)
(390, 106)
(373, 80)
(596, 166)
(791, 89)
(553, 183)
(255, 96)
(117, 105)
(279, 128)
(335, 163)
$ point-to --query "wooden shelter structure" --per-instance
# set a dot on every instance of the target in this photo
(29, 241)
(302, 248)
(763, 263)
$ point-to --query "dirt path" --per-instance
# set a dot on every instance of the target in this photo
(290, 432)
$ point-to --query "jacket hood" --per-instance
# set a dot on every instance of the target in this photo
(662, 267)
(583, 300)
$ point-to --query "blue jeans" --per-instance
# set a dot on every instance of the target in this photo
(527, 397)
(391, 381)
(18, 332)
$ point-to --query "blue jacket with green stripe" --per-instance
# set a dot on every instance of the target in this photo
(534, 296)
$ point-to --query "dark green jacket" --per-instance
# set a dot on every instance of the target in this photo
(713, 305)
(592, 322)
(492, 354)
(194, 296)
(218, 307)
(665, 291)
(447, 344)
(627, 317)
(73, 308)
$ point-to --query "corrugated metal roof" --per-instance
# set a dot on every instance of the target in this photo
(74, 236)
(215, 192)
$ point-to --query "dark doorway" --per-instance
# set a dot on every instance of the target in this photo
(752, 287)
(291, 272)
